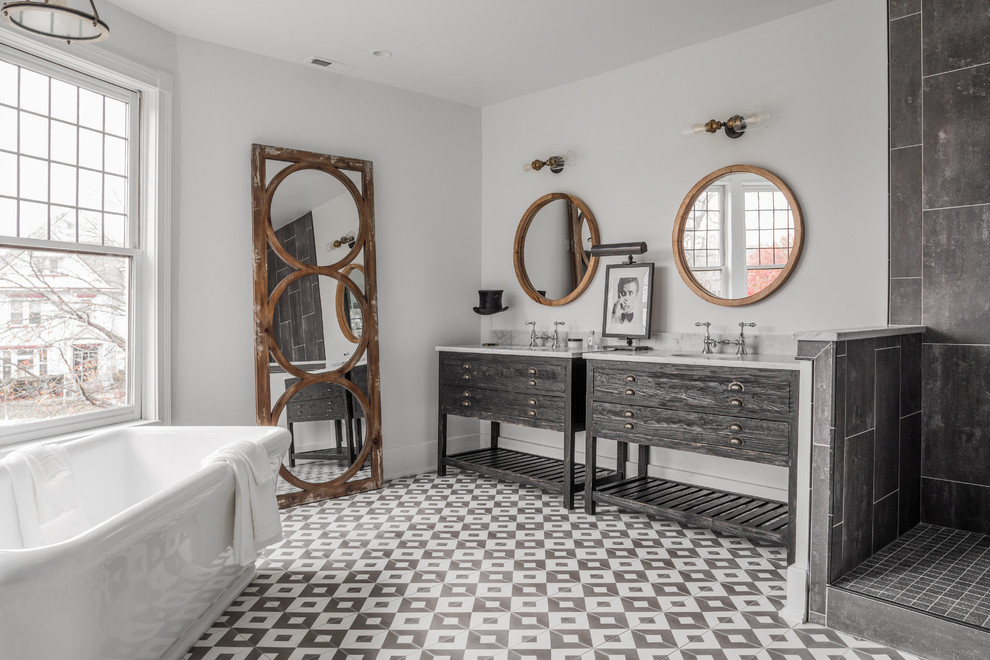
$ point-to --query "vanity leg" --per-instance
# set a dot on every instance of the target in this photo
(644, 460)
(441, 444)
(568, 476)
(496, 432)
(590, 466)
(621, 458)
(292, 447)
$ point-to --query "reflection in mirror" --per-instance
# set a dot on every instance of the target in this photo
(349, 315)
(328, 431)
(304, 327)
(738, 235)
(552, 258)
(314, 216)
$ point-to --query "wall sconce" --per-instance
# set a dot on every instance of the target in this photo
(347, 239)
(618, 250)
(55, 20)
(555, 163)
(734, 126)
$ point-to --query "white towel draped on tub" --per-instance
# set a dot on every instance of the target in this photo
(49, 509)
(256, 520)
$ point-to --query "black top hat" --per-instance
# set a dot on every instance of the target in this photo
(489, 302)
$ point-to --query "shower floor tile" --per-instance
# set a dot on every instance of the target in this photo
(469, 567)
(934, 569)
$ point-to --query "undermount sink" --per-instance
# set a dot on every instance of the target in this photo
(713, 356)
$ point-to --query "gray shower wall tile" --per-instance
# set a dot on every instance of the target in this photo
(956, 138)
(904, 87)
(910, 374)
(884, 522)
(886, 461)
(956, 417)
(860, 380)
(839, 444)
(956, 274)
(905, 301)
(905, 212)
(909, 488)
(957, 505)
(857, 500)
(822, 393)
(955, 34)
(900, 8)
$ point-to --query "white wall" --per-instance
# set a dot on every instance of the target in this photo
(427, 211)
(823, 75)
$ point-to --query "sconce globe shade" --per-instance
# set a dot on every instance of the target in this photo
(55, 20)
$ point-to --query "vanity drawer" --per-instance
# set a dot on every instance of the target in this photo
(732, 391)
(724, 435)
(517, 374)
(314, 408)
(537, 410)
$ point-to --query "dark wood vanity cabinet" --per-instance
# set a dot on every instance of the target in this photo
(536, 391)
(735, 412)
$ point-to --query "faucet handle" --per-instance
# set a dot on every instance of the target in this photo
(747, 325)
(532, 323)
(558, 323)
(705, 323)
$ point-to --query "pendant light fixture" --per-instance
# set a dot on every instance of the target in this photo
(56, 20)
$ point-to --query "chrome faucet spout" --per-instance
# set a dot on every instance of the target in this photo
(708, 342)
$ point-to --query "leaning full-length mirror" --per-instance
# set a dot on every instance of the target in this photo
(552, 249)
(738, 235)
(316, 330)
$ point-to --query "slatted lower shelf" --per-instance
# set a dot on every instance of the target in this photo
(540, 471)
(722, 511)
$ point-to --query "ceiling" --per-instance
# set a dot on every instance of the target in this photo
(476, 52)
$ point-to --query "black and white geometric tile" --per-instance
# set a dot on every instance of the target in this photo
(464, 567)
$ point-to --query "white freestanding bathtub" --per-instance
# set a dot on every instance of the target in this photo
(154, 569)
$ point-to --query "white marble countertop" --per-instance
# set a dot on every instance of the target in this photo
(539, 351)
(858, 333)
(757, 361)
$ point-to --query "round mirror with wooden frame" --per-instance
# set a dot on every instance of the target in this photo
(738, 235)
(551, 249)
(349, 315)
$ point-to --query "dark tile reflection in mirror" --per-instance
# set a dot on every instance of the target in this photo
(311, 326)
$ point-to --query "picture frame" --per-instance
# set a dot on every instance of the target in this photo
(628, 301)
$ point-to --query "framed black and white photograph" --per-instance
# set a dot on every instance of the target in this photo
(628, 301)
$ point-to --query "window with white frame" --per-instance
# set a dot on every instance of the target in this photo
(70, 250)
(704, 239)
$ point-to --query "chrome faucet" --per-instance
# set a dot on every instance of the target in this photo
(709, 342)
(741, 342)
(532, 336)
(556, 335)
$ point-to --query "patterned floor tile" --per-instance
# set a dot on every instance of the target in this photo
(470, 568)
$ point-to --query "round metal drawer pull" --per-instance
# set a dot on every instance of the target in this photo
(533, 383)
(532, 413)
(532, 402)
(629, 413)
(628, 425)
(465, 366)
(466, 393)
(736, 402)
(736, 386)
(736, 441)
(735, 427)
(466, 377)
(466, 404)
(630, 392)
(630, 379)
(532, 371)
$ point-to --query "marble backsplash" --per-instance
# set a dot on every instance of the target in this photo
(687, 342)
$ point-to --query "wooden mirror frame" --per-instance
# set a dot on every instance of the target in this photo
(681, 221)
(343, 313)
(265, 346)
(520, 244)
